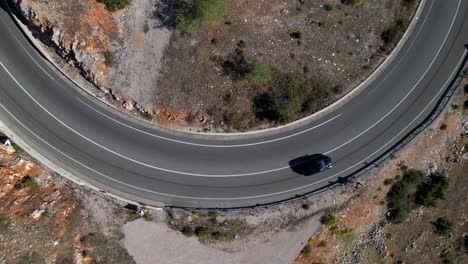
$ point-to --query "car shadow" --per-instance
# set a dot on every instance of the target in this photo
(302, 165)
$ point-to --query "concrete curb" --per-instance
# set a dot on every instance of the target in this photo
(99, 95)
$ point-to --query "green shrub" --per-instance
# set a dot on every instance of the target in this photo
(400, 198)
(443, 226)
(196, 212)
(26, 182)
(306, 251)
(187, 231)
(432, 190)
(260, 72)
(202, 233)
(108, 58)
(298, 35)
(114, 5)
(330, 221)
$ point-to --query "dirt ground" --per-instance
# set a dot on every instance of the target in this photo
(340, 47)
(373, 240)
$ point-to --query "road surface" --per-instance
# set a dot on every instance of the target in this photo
(84, 137)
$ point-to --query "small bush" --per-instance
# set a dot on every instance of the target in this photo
(196, 212)
(311, 242)
(188, 231)
(432, 190)
(400, 198)
(443, 226)
(114, 5)
(465, 89)
(45, 213)
(202, 233)
(306, 251)
(108, 58)
(465, 104)
(443, 127)
(260, 72)
(26, 182)
(298, 35)
(388, 182)
(330, 221)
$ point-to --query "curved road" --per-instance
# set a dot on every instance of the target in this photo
(145, 164)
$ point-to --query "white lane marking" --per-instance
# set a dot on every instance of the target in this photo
(235, 198)
(24, 48)
(408, 94)
(223, 175)
(206, 145)
(130, 159)
(406, 51)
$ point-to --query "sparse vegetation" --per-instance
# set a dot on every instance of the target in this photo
(342, 233)
(412, 190)
(260, 72)
(289, 96)
(202, 233)
(400, 198)
(443, 226)
(433, 189)
(114, 5)
(330, 221)
(202, 12)
(26, 181)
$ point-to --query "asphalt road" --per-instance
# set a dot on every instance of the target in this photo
(120, 155)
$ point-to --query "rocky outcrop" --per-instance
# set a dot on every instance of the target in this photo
(80, 31)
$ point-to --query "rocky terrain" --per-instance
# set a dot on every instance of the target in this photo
(202, 77)
(372, 238)
(47, 219)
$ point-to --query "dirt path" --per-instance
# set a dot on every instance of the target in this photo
(137, 68)
(147, 242)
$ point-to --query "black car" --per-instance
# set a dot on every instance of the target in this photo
(311, 164)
